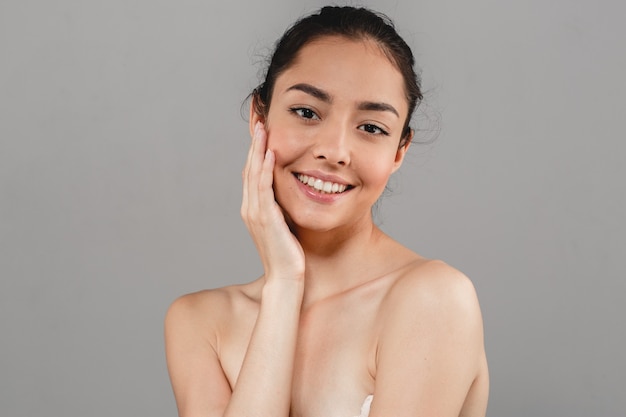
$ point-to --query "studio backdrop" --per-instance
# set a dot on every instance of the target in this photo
(123, 133)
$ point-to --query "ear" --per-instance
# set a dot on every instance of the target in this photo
(255, 116)
(401, 152)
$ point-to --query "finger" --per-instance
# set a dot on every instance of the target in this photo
(258, 149)
(256, 164)
(266, 180)
(250, 152)
(246, 175)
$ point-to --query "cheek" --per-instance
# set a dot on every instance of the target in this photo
(286, 143)
(376, 170)
(378, 175)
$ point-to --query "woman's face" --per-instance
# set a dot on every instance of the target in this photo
(334, 123)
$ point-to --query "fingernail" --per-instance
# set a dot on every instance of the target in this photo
(257, 128)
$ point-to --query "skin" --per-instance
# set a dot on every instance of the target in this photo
(342, 310)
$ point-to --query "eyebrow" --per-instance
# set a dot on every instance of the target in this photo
(325, 97)
(312, 91)
(374, 106)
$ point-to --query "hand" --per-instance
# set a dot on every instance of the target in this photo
(280, 252)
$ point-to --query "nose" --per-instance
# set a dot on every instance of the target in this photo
(332, 144)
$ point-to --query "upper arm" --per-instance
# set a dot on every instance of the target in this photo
(431, 344)
(199, 384)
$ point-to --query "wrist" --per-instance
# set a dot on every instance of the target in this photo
(292, 277)
(283, 288)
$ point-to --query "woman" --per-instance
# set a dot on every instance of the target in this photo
(343, 317)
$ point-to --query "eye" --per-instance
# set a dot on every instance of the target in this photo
(305, 113)
(373, 129)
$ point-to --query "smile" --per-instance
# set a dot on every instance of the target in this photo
(322, 186)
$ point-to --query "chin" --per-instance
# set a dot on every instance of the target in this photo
(307, 222)
(318, 221)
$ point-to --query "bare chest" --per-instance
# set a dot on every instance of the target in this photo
(334, 361)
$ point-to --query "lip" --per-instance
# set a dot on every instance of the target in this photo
(317, 196)
(324, 177)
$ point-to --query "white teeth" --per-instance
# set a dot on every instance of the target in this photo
(323, 186)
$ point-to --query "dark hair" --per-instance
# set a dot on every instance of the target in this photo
(352, 23)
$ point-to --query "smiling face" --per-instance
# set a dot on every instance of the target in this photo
(334, 123)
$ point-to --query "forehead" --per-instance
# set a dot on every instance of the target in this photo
(350, 69)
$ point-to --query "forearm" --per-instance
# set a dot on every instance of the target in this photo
(263, 388)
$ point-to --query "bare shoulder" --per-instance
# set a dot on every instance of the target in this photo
(431, 334)
(215, 302)
(432, 286)
(206, 309)
(432, 303)
(196, 325)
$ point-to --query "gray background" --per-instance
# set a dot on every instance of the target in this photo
(122, 142)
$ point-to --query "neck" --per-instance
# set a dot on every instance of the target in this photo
(337, 260)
